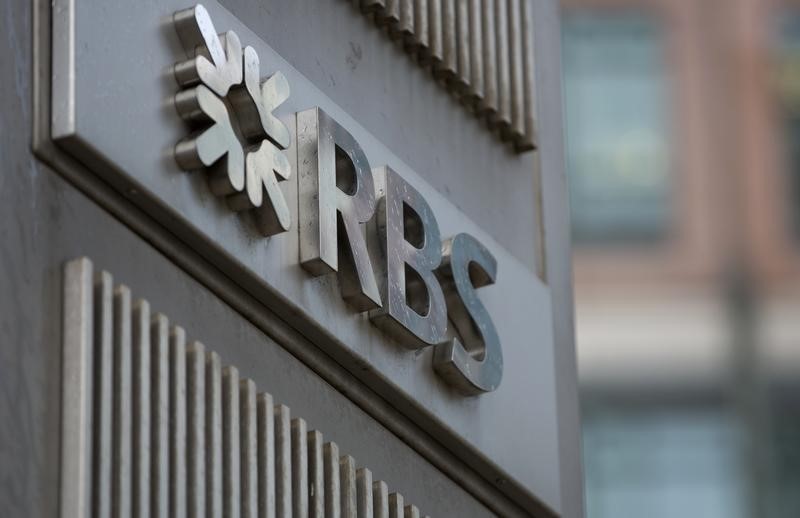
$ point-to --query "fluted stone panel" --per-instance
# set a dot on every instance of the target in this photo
(479, 50)
(157, 425)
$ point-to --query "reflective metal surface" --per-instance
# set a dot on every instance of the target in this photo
(414, 306)
(336, 197)
(216, 65)
(200, 108)
(255, 101)
(244, 157)
(265, 167)
(473, 362)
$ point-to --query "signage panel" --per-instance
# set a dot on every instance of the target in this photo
(289, 230)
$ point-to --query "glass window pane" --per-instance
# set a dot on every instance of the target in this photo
(789, 94)
(661, 462)
(617, 134)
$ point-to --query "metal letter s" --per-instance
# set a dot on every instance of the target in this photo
(472, 363)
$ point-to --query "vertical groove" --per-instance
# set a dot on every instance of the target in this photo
(103, 394)
(370, 6)
(249, 446)
(178, 423)
(205, 443)
(404, 28)
(121, 500)
(330, 453)
(380, 499)
(480, 50)
(420, 45)
(159, 331)
(196, 448)
(396, 506)
(435, 43)
(299, 467)
(503, 120)
(476, 51)
(463, 47)
(76, 398)
(283, 462)
(447, 68)
(266, 456)
(517, 130)
(364, 501)
(347, 476)
(489, 106)
(389, 15)
(214, 464)
(231, 484)
(141, 410)
(316, 475)
(529, 141)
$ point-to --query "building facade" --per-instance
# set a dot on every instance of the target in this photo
(273, 258)
(683, 164)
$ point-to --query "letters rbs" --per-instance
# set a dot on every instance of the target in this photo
(369, 226)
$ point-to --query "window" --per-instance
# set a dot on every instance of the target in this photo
(617, 132)
(661, 462)
(789, 95)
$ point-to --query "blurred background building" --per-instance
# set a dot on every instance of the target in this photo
(683, 131)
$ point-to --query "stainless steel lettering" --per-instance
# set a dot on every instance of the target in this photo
(344, 206)
(337, 196)
(473, 361)
(414, 305)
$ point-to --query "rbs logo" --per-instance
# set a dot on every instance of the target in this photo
(370, 227)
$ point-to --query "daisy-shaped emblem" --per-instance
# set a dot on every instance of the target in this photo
(235, 136)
